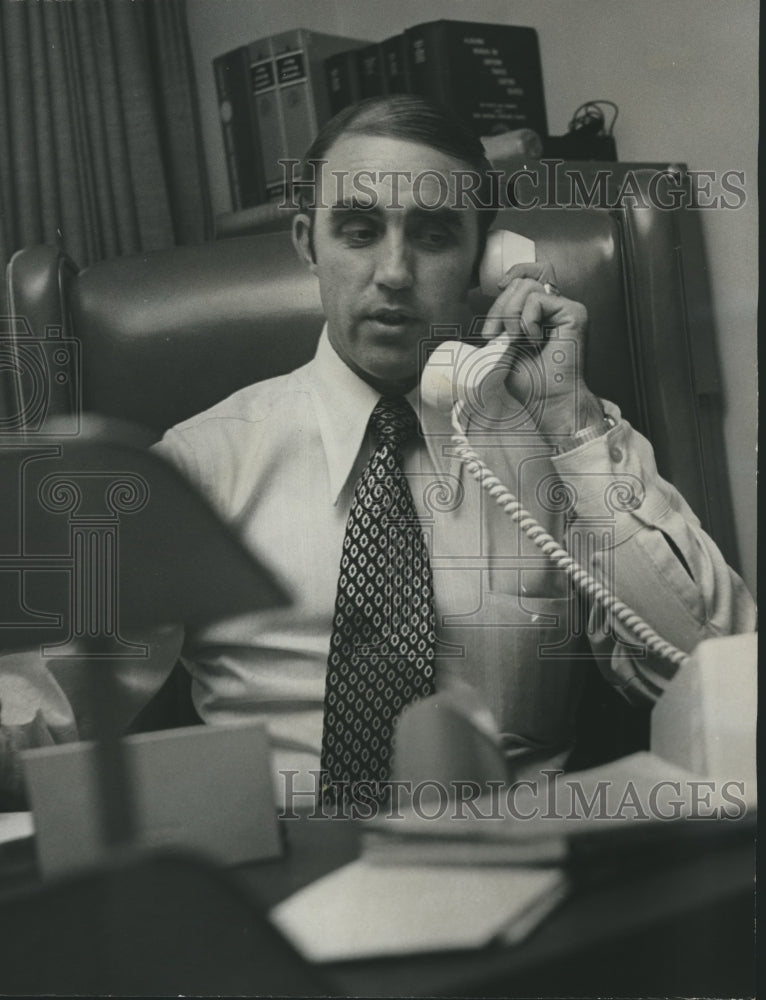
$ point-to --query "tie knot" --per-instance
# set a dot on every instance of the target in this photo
(393, 421)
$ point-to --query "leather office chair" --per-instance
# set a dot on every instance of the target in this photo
(161, 336)
(158, 337)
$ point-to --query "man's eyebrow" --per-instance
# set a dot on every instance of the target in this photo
(354, 204)
(454, 218)
(444, 213)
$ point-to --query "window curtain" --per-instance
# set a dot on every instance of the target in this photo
(100, 144)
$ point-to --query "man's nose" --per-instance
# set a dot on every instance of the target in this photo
(394, 266)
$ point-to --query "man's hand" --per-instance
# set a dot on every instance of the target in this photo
(546, 338)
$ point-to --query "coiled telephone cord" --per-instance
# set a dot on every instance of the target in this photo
(580, 577)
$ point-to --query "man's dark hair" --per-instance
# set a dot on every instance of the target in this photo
(411, 118)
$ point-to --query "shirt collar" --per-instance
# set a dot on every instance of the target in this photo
(344, 405)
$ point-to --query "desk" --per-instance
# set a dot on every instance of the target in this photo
(683, 929)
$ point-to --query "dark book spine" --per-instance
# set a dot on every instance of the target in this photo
(342, 76)
(266, 100)
(396, 64)
(488, 74)
(240, 129)
(371, 80)
(428, 62)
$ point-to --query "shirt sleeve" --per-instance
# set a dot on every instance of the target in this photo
(638, 536)
(47, 699)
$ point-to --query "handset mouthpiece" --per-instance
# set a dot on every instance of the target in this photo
(456, 371)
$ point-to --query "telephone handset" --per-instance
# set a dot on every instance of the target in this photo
(453, 376)
(457, 369)
(503, 250)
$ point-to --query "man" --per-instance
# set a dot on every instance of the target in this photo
(303, 467)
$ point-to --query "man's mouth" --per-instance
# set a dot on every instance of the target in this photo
(393, 317)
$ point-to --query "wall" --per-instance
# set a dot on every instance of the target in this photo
(685, 77)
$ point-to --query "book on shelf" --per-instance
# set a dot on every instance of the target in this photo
(342, 80)
(264, 94)
(240, 130)
(277, 92)
(395, 61)
(375, 69)
(490, 75)
(274, 98)
(301, 90)
(370, 63)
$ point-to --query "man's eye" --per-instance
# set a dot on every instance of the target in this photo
(434, 238)
(358, 233)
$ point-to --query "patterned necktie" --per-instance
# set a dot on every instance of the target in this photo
(382, 647)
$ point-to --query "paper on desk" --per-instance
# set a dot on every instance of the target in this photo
(637, 802)
(16, 826)
(363, 910)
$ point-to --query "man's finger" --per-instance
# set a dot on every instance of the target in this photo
(510, 305)
(539, 270)
(500, 322)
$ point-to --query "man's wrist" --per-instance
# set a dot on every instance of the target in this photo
(590, 421)
(586, 434)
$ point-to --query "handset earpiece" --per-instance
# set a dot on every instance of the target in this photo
(503, 250)
(455, 370)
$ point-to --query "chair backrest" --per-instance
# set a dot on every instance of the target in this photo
(157, 337)
(164, 335)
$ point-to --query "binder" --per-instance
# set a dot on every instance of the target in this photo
(302, 99)
(395, 64)
(239, 128)
(271, 131)
(369, 71)
(371, 80)
(342, 80)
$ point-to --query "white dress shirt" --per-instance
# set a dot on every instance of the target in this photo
(280, 459)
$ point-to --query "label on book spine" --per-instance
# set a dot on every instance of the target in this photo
(371, 79)
(488, 74)
(292, 57)
(395, 64)
(291, 69)
(263, 81)
(262, 76)
(342, 76)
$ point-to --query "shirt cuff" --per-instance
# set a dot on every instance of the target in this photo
(614, 477)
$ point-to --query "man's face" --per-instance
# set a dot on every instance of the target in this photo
(389, 267)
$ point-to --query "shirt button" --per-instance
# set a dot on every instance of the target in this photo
(615, 454)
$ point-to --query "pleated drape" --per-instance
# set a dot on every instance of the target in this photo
(100, 144)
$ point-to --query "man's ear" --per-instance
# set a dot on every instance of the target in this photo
(302, 240)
